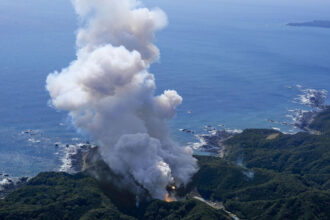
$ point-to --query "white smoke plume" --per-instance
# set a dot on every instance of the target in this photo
(109, 93)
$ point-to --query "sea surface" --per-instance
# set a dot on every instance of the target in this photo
(235, 63)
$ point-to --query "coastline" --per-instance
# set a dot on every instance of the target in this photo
(79, 157)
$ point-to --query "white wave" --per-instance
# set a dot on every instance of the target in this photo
(197, 145)
(301, 118)
(32, 140)
(234, 131)
(8, 184)
(312, 97)
(212, 143)
(72, 158)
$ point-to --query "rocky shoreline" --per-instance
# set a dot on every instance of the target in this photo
(72, 162)
(9, 184)
(210, 143)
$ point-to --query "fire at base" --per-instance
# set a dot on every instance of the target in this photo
(109, 94)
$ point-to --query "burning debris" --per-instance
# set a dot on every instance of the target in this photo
(171, 193)
(169, 198)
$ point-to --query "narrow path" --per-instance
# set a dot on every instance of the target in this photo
(217, 205)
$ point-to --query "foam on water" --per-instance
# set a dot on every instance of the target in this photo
(72, 157)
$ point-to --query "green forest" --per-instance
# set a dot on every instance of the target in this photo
(265, 174)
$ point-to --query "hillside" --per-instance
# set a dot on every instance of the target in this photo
(321, 122)
(265, 174)
(64, 196)
(270, 175)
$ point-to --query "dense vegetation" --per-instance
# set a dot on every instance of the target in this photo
(64, 196)
(270, 175)
(322, 122)
(264, 175)
(258, 193)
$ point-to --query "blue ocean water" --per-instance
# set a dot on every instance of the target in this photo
(231, 61)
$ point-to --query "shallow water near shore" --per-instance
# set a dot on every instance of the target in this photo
(234, 64)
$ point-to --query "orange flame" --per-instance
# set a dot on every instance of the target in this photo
(169, 198)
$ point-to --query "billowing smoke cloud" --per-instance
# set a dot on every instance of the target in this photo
(109, 93)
